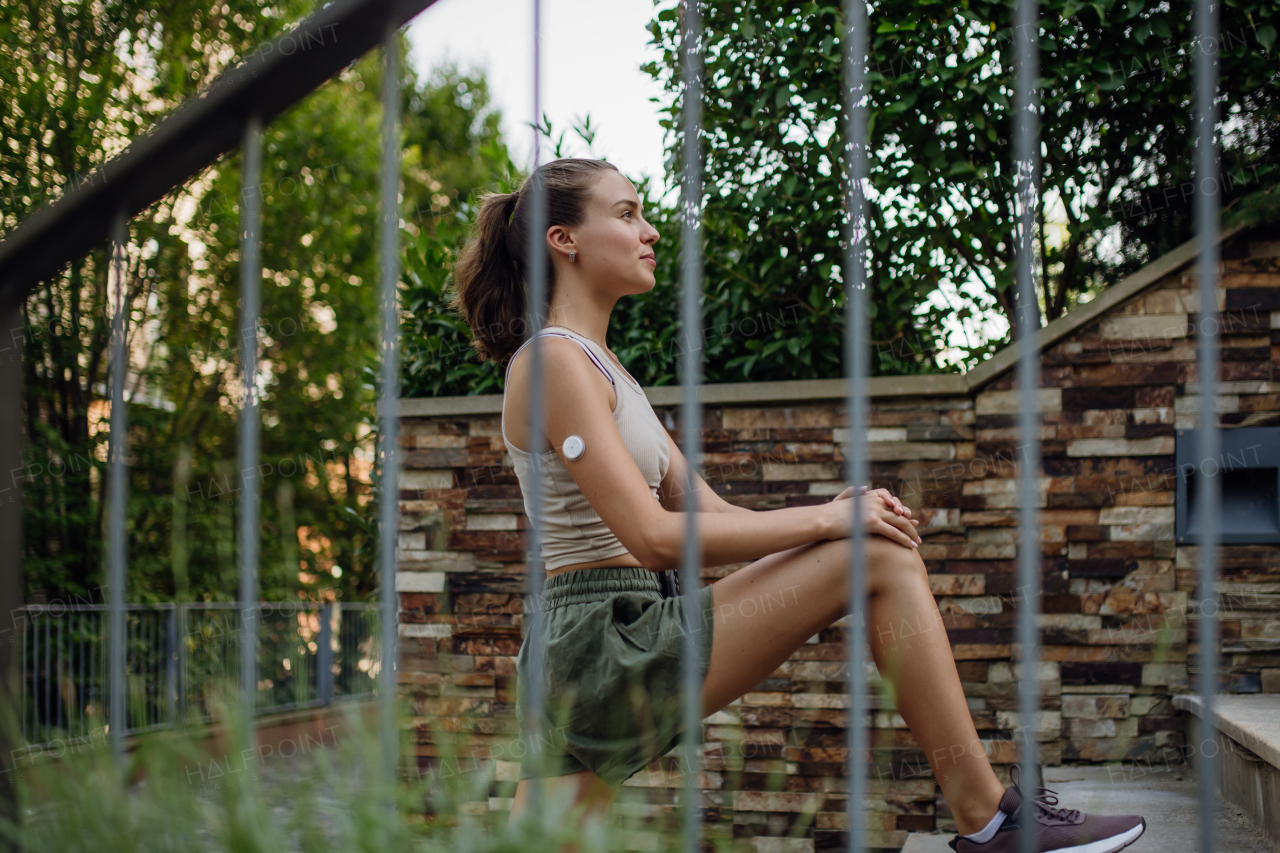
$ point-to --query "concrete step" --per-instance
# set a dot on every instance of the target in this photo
(1165, 797)
(1248, 750)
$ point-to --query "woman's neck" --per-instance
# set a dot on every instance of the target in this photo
(587, 320)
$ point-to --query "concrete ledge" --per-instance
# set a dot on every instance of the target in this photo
(726, 394)
(1248, 753)
(1088, 312)
(931, 385)
(1253, 721)
(428, 407)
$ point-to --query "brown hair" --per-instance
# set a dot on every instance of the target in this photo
(489, 275)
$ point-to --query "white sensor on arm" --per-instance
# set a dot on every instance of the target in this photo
(573, 448)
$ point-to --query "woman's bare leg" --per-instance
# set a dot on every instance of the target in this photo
(766, 610)
(591, 794)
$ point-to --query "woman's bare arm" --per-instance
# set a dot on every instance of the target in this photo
(577, 403)
(674, 484)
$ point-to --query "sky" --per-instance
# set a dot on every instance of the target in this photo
(592, 51)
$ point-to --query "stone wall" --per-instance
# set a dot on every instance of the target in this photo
(1119, 594)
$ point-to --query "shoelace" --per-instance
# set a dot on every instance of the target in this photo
(1045, 800)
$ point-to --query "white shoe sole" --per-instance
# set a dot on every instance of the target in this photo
(1106, 845)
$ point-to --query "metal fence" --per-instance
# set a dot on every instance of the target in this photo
(180, 659)
(234, 109)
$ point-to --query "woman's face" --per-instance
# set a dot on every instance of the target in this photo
(614, 243)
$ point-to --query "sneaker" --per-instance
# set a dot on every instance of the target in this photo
(1058, 830)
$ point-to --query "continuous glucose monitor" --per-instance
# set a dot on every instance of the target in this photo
(573, 448)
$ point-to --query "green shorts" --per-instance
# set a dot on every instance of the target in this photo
(612, 650)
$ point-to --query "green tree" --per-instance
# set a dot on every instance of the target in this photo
(80, 80)
(1116, 127)
(319, 295)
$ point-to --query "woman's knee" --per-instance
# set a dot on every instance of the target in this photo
(892, 565)
(887, 563)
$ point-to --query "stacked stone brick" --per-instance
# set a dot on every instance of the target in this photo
(1119, 596)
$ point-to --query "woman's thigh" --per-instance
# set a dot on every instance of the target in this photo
(765, 611)
(585, 789)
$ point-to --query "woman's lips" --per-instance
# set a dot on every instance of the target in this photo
(651, 259)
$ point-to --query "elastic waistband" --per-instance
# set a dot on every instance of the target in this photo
(585, 585)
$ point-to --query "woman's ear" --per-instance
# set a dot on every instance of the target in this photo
(560, 242)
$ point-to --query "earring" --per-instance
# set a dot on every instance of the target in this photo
(572, 256)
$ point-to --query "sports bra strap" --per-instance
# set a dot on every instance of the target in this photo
(594, 359)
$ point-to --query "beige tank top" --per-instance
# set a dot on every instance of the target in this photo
(573, 531)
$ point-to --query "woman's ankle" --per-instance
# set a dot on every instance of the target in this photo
(973, 813)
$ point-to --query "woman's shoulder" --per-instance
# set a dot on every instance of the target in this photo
(567, 368)
(559, 352)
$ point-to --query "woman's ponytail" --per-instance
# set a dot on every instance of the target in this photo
(489, 282)
(489, 275)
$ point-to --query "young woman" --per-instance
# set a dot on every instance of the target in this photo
(614, 520)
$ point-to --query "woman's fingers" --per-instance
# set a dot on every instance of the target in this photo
(905, 526)
(891, 500)
(891, 532)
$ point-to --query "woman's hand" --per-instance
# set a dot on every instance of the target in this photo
(882, 513)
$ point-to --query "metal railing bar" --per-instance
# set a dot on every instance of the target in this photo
(857, 335)
(55, 609)
(94, 653)
(48, 656)
(324, 656)
(273, 77)
(388, 429)
(57, 676)
(118, 487)
(170, 664)
(60, 681)
(1208, 439)
(155, 691)
(1025, 147)
(536, 271)
(180, 660)
(250, 307)
(22, 683)
(129, 705)
(81, 692)
(146, 667)
(691, 409)
(266, 606)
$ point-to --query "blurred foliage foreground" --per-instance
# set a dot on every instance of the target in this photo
(179, 792)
